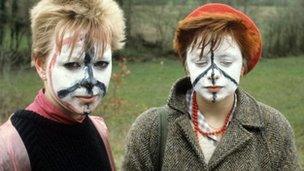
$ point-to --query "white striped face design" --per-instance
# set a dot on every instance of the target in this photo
(216, 74)
(78, 81)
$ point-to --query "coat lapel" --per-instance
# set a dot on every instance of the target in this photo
(246, 115)
(235, 137)
(177, 101)
(184, 125)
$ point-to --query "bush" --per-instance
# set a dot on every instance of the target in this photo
(155, 24)
(283, 33)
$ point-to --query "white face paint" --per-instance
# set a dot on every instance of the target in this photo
(216, 75)
(79, 82)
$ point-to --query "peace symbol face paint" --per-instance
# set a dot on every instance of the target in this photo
(79, 81)
(216, 75)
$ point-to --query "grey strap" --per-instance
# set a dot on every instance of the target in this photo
(163, 130)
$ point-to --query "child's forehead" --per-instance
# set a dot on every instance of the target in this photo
(223, 44)
(77, 44)
(79, 51)
(226, 48)
(69, 38)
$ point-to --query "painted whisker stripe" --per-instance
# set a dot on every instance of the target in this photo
(63, 93)
(200, 76)
(102, 87)
(227, 76)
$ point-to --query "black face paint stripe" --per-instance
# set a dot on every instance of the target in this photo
(88, 82)
(88, 85)
(214, 97)
(87, 110)
(102, 87)
(87, 63)
(65, 92)
(87, 58)
(200, 76)
(212, 67)
(227, 76)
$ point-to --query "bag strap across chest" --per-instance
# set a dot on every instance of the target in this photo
(163, 130)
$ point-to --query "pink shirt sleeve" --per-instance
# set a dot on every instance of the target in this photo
(13, 155)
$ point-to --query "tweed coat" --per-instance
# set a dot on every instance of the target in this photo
(258, 138)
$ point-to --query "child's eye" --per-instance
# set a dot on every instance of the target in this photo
(226, 63)
(201, 63)
(72, 65)
(101, 64)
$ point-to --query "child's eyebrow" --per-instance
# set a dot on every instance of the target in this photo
(223, 56)
(226, 55)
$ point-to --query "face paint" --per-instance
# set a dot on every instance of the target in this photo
(216, 75)
(78, 82)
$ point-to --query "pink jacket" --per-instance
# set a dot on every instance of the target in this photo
(14, 157)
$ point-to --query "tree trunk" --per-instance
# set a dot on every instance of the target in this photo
(2, 21)
(126, 5)
(120, 2)
(15, 25)
(129, 14)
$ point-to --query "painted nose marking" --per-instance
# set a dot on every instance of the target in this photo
(214, 75)
(89, 80)
(212, 68)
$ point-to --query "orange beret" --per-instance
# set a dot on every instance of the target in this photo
(222, 11)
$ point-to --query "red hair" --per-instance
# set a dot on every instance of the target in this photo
(210, 23)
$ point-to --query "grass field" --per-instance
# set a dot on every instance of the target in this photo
(278, 83)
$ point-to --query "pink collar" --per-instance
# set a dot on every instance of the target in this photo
(42, 106)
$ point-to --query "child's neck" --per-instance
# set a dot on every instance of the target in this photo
(215, 113)
(45, 107)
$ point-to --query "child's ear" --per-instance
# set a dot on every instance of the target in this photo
(186, 68)
(242, 71)
(40, 68)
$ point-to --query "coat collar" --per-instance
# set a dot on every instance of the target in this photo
(247, 111)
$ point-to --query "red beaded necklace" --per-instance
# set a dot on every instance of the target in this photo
(197, 129)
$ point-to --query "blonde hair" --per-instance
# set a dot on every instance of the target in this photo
(101, 21)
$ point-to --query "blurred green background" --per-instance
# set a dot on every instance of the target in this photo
(146, 68)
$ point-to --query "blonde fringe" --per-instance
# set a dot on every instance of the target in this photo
(102, 22)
